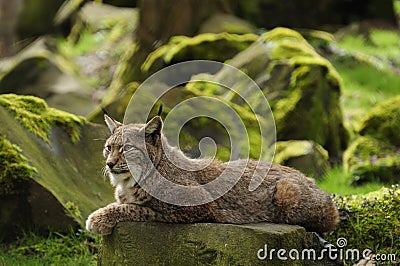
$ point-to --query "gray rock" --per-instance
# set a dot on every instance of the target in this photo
(40, 71)
(207, 244)
(67, 184)
(305, 156)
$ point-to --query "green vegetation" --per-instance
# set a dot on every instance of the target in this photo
(339, 181)
(34, 114)
(370, 159)
(368, 68)
(56, 249)
(211, 46)
(382, 44)
(14, 168)
(383, 122)
(371, 221)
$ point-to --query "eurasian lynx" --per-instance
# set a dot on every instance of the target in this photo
(284, 196)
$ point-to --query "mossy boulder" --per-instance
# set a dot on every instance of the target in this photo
(52, 162)
(370, 159)
(382, 122)
(375, 154)
(370, 221)
(303, 88)
(206, 244)
(206, 46)
(306, 156)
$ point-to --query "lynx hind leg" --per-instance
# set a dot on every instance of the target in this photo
(303, 203)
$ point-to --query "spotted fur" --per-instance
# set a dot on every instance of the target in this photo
(284, 196)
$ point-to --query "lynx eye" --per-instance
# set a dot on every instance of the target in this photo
(108, 147)
(127, 147)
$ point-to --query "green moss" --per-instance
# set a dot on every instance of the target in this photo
(14, 168)
(290, 45)
(34, 114)
(370, 159)
(73, 210)
(383, 122)
(212, 46)
(289, 149)
(370, 221)
(279, 34)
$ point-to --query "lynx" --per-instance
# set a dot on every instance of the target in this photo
(284, 196)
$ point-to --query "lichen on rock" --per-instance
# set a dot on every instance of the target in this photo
(34, 114)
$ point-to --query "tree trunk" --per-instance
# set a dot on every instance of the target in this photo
(9, 11)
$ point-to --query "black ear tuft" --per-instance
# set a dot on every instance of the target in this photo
(160, 110)
(104, 111)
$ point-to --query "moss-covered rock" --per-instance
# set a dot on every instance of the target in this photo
(370, 221)
(303, 89)
(370, 159)
(205, 46)
(382, 122)
(37, 117)
(14, 168)
(207, 244)
(55, 183)
(375, 155)
(306, 156)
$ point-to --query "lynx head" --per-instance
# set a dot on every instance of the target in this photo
(132, 150)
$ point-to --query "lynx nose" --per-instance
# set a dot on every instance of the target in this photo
(111, 164)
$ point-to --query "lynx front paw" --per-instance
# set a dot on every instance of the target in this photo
(100, 222)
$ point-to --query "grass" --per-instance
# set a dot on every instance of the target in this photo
(383, 44)
(363, 87)
(338, 181)
(369, 72)
(75, 248)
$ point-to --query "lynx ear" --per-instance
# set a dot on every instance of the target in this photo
(111, 123)
(154, 126)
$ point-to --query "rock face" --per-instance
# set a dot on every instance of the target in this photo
(305, 156)
(374, 155)
(47, 75)
(206, 244)
(302, 88)
(53, 167)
